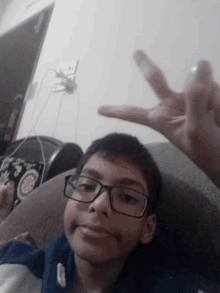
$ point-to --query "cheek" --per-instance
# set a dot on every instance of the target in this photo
(70, 215)
(129, 231)
(73, 214)
(130, 225)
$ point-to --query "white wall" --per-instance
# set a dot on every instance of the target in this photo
(3, 5)
(103, 35)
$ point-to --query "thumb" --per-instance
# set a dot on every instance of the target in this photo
(128, 113)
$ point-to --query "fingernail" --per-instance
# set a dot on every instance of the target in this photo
(202, 71)
(201, 74)
(102, 109)
(108, 108)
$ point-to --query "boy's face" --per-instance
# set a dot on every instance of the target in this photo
(125, 232)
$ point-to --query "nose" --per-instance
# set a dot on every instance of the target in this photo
(102, 203)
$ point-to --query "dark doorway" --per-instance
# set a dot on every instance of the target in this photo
(19, 53)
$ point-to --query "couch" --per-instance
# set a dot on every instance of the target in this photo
(188, 213)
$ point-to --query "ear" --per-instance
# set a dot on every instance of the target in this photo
(149, 229)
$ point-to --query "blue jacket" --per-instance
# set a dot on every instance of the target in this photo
(28, 269)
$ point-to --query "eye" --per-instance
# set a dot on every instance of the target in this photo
(127, 198)
(85, 187)
(130, 199)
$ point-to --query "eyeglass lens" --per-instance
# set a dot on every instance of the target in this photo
(124, 200)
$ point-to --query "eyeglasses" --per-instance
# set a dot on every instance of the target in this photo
(123, 200)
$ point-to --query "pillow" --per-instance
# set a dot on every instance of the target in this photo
(23, 175)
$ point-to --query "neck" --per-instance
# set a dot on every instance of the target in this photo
(95, 277)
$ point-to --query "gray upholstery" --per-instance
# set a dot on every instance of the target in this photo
(189, 210)
(188, 213)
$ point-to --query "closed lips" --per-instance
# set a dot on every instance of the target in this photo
(97, 229)
(100, 229)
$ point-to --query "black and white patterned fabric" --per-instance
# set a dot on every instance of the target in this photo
(26, 176)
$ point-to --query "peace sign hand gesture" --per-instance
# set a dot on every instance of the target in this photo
(190, 120)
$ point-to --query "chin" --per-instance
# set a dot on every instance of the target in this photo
(97, 258)
(93, 251)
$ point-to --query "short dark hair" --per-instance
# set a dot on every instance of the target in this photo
(120, 145)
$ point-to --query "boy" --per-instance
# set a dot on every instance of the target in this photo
(110, 214)
(120, 183)
(109, 220)
(102, 225)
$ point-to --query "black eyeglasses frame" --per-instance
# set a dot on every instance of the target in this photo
(104, 187)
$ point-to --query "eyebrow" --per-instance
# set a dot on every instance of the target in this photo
(120, 181)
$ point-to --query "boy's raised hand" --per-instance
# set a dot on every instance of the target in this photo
(190, 120)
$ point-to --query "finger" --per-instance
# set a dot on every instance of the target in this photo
(25, 238)
(198, 94)
(203, 71)
(23, 235)
(196, 107)
(215, 103)
(153, 74)
(128, 113)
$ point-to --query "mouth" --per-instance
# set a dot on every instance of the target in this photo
(95, 231)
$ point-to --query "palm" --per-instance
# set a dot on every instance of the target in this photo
(167, 117)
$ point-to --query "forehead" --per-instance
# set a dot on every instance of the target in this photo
(113, 171)
(105, 165)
